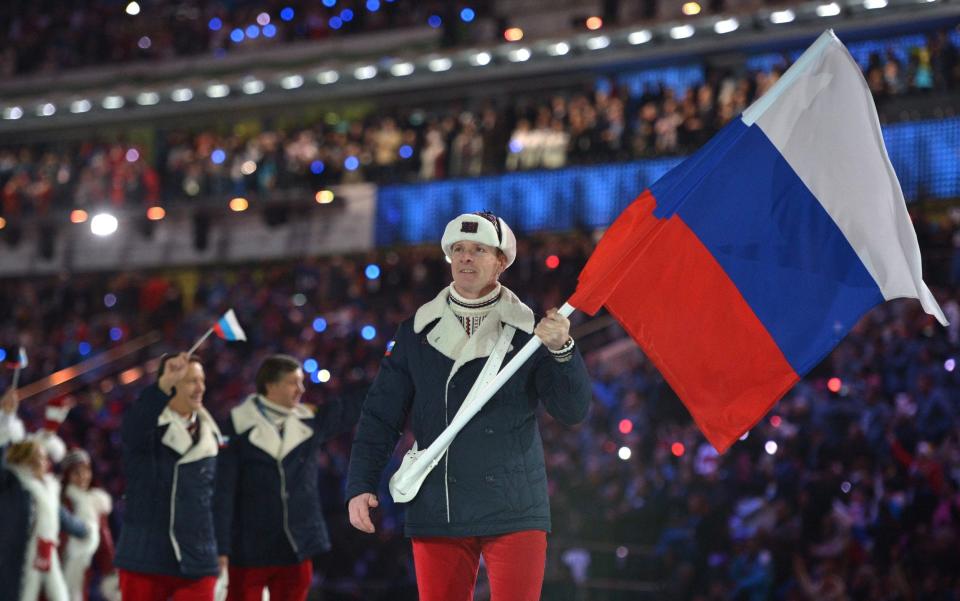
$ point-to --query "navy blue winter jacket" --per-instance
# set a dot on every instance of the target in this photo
(493, 479)
(168, 514)
(267, 504)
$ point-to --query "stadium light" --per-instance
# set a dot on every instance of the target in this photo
(365, 72)
(12, 113)
(779, 17)
(133, 9)
(181, 95)
(80, 106)
(681, 32)
(831, 9)
(46, 109)
(327, 77)
(558, 49)
(519, 55)
(291, 82)
(513, 34)
(401, 69)
(218, 90)
(440, 64)
(480, 59)
(726, 26)
(874, 4)
(113, 102)
(639, 37)
(148, 98)
(252, 86)
(78, 216)
(598, 42)
(691, 8)
(103, 224)
(156, 213)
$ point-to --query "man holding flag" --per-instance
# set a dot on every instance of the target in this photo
(167, 548)
(488, 493)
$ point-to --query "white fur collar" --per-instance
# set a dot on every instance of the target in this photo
(510, 309)
(449, 337)
(178, 438)
(46, 496)
(264, 435)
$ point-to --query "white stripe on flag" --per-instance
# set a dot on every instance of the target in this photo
(230, 318)
(825, 125)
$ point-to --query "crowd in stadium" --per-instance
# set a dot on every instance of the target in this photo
(549, 131)
(103, 32)
(856, 499)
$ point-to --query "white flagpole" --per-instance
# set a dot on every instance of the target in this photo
(405, 483)
(16, 377)
(199, 342)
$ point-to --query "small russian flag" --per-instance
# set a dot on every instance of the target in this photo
(13, 360)
(228, 327)
(390, 346)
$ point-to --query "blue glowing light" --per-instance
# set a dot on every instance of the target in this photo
(287, 14)
(218, 156)
(315, 377)
(310, 365)
(406, 151)
(368, 332)
(116, 334)
(3, 355)
(347, 15)
(317, 167)
(253, 31)
(269, 30)
(372, 271)
(83, 348)
(329, 3)
(467, 15)
(373, 5)
(215, 24)
(351, 163)
(237, 35)
(434, 21)
(335, 23)
(109, 300)
(319, 324)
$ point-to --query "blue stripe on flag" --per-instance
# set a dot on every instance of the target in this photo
(778, 245)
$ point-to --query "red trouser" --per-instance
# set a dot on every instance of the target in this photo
(447, 567)
(285, 583)
(157, 587)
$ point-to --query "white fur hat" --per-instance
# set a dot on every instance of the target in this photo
(485, 228)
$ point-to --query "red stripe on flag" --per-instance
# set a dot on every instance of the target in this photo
(676, 301)
(622, 244)
(219, 330)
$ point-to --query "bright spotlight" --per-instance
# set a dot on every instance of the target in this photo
(103, 224)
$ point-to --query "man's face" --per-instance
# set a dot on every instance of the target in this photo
(287, 390)
(475, 267)
(190, 389)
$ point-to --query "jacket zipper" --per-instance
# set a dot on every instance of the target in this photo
(283, 500)
(446, 455)
(173, 509)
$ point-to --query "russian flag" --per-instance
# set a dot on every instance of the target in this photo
(740, 269)
(228, 328)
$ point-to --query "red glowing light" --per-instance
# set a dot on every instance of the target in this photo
(775, 421)
(834, 384)
(552, 262)
(626, 426)
(677, 449)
